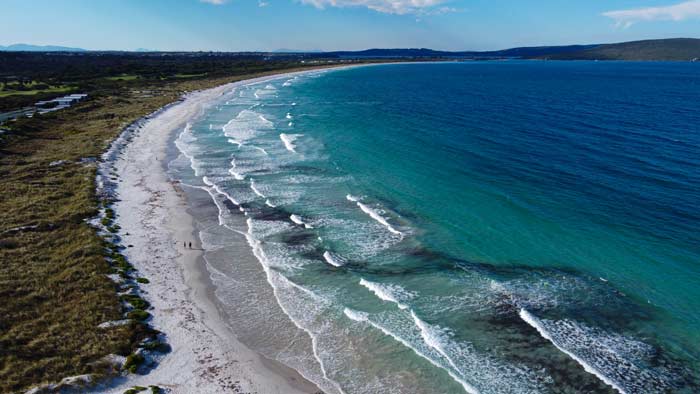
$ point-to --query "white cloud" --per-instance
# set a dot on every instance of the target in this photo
(399, 7)
(676, 12)
(262, 3)
(215, 2)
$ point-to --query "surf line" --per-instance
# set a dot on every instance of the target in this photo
(374, 214)
(259, 253)
(533, 321)
(364, 318)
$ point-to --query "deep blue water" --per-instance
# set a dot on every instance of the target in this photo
(493, 227)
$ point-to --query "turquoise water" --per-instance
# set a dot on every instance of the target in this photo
(493, 227)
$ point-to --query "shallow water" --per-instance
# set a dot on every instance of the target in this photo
(493, 227)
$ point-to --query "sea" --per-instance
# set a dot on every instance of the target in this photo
(458, 227)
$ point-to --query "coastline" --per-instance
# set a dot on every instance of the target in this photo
(155, 219)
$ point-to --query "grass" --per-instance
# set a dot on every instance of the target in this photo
(53, 276)
(123, 77)
(30, 89)
(190, 75)
(53, 89)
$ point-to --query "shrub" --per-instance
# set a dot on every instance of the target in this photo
(133, 361)
(135, 301)
(8, 244)
(156, 390)
(142, 280)
(156, 346)
(135, 389)
(138, 314)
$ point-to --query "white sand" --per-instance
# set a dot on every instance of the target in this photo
(152, 212)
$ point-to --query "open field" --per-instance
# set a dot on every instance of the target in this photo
(30, 89)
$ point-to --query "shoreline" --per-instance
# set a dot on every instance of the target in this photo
(155, 218)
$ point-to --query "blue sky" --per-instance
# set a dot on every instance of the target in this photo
(236, 25)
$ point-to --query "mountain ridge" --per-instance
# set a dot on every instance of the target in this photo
(669, 49)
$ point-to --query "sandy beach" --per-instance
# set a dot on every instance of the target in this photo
(206, 356)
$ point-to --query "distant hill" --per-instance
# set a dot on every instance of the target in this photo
(286, 50)
(674, 49)
(39, 48)
(522, 52)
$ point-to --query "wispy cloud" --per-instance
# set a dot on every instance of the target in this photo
(676, 12)
(215, 2)
(400, 7)
(262, 3)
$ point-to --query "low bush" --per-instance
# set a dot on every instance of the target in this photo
(135, 301)
(135, 389)
(156, 346)
(133, 361)
(138, 314)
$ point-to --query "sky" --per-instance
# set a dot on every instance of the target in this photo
(266, 25)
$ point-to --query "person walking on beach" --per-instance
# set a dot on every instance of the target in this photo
(184, 244)
(190, 245)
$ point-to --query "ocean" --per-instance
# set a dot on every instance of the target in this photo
(471, 227)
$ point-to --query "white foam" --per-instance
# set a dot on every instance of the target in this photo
(216, 188)
(265, 121)
(364, 317)
(290, 124)
(376, 215)
(237, 175)
(298, 220)
(277, 280)
(537, 325)
(391, 293)
(247, 125)
(433, 337)
(183, 143)
(356, 315)
(261, 150)
(235, 142)
(288, 140)
(269, 204)
(332, 260)
(352, 198)
(288, 116)
(255, 189)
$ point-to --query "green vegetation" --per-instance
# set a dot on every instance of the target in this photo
(673, 49)
(142, 280)
(138, 314)
(123, 77)
(30, 88)
(135, 301)
(157, 346)
(53, 276)
(189, 75)
(136, 389)
(133, 362)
